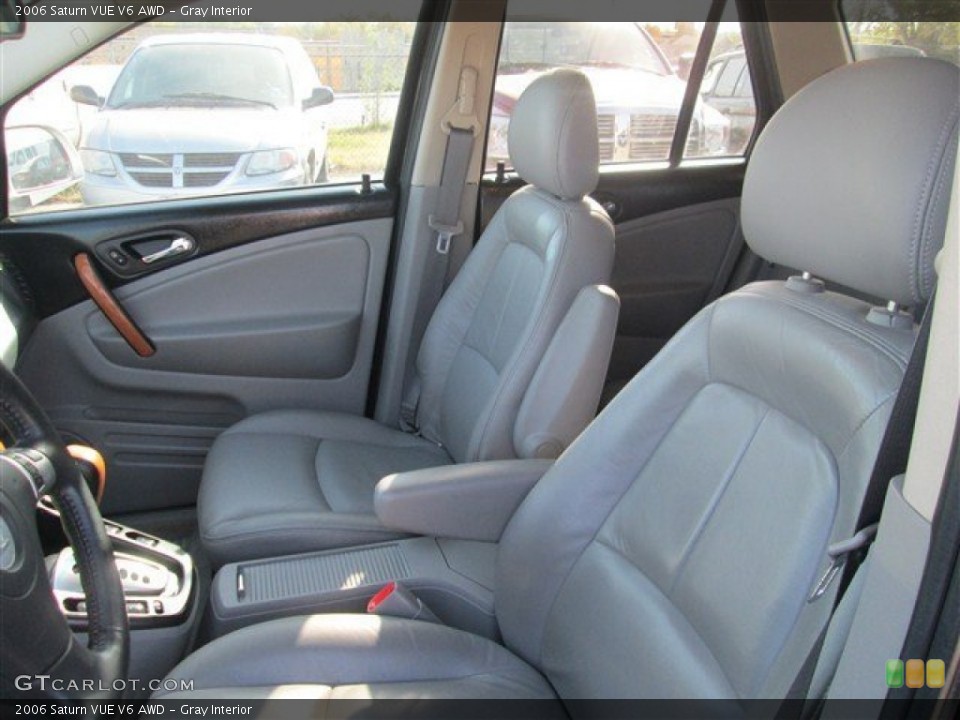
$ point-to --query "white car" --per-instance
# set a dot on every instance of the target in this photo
(638, 93)
(205, 113)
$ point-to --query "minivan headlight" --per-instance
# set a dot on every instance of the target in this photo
(98, 162)
(266, 162)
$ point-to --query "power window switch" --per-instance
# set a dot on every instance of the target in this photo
(118, 257)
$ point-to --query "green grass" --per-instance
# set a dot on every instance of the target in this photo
(66, 200)
(353, 151)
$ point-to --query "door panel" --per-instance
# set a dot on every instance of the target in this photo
(667, 267)
(285, 322)
(216, 224)
(286, 309)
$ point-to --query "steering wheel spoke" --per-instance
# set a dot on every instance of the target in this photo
(34, 466)
(36, 637)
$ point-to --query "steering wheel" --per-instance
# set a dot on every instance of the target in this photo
(36, 638)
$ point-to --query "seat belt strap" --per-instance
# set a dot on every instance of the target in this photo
(409, 406)
(801, 683)
(848, 555)
(446, 223)
(445, 219)
(894, 450)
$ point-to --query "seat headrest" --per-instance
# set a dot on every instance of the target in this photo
(851, 179)
(553, 135)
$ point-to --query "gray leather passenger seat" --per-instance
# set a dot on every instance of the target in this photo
(671, 550)
(512, 363)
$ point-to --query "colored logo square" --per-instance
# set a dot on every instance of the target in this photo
(915, 673)
(935, 673)
(894, 673)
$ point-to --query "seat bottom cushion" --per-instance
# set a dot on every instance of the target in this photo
(352, 657)
(297, 481)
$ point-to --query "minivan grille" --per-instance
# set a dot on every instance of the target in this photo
(210, 160)
(135, 160)
(190, 170)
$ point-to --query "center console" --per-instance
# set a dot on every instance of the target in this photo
(157, 578)
(160, 587)
(460, 510)
(453, 578)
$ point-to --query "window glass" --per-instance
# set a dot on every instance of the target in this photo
(731, 73)
(531, 45)
(726, 102)
(712, 75)
(639, 75)
(902, 28)
(170, 110)
(638, 71)
(191, 74)
(744, 88)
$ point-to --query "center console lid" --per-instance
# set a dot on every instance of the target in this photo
(472, 501)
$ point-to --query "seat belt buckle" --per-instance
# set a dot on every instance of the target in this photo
(445, 233)
(839, 552)
(395, 600)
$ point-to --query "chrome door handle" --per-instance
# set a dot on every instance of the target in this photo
(178, 246)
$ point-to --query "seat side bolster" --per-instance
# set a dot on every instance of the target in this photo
(562, 398)
(474, 501)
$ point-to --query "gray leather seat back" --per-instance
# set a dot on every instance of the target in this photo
(547, 242)
(671, 550)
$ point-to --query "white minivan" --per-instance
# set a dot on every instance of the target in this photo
(205, 113)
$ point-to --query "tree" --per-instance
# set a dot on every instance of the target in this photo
(923, 24)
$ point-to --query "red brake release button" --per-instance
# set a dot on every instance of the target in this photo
(381, 595)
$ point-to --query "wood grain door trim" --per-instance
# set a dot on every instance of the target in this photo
(110, 307)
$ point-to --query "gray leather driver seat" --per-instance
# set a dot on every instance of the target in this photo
(526, 316)
(671, 550)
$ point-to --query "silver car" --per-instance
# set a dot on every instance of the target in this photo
(204, 114)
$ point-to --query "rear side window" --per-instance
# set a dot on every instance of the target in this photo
(902, 28)
(639, 72)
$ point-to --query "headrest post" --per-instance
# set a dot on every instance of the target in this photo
(805, 283)
(891, 316)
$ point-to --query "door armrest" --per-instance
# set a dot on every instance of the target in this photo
(472, 501)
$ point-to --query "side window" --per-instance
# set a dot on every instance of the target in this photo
(639, 74)
(730, 75)
(902, 28)
(744, 88)
(170, 110)
(712, 75)
(726, 103)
